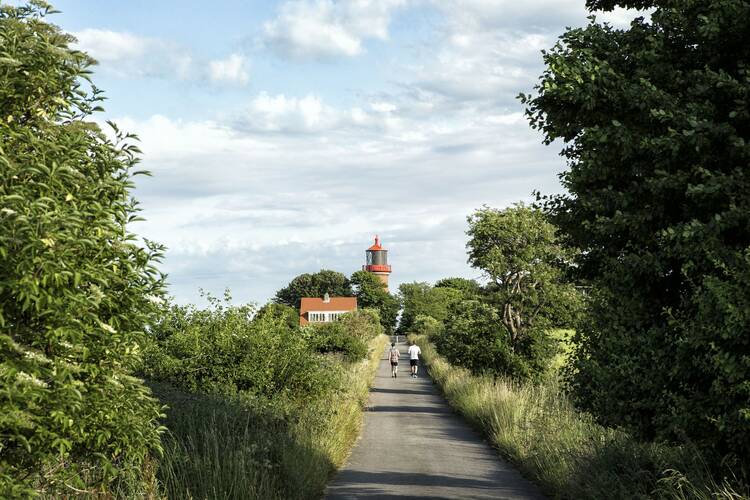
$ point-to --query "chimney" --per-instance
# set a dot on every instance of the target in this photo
(326, 298)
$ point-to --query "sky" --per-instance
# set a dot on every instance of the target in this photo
(282, 136)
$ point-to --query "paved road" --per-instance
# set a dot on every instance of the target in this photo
(414, 446)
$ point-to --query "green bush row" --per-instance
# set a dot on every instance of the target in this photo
(248, 397)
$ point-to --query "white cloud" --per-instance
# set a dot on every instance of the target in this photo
(111, 46)
(232, 70)
(279, 113)
(488, 51)
(326, 28)
(290, 182)
(126, 55)
(533, 16)
(240, 206)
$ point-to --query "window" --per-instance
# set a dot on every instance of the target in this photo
(315, 317)
(323, 317)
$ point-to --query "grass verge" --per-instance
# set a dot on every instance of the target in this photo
(566, 452)
(217, 448)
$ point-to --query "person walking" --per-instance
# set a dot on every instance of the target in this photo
(414, 352)
(394, 355)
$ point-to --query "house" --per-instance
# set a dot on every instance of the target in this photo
(326, 309)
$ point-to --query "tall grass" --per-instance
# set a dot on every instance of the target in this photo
(565, 451)
(216, 448)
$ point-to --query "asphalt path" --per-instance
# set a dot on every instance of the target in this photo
(413, 445)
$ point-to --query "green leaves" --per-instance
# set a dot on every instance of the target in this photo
(227, 350)
(73, 286)
(371, 293)
(314, 285)
(656, 122)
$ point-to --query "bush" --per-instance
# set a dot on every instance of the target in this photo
(425, 300)
(348, 336)
(475, 339)
(427, 325)
(220, 447)
(657, 132)
(76, 291)
(335, 338)
(222, 350)
(288, 316)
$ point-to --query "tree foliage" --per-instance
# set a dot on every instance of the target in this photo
(474, 339)
(348, 336)
(426, 325)
(422, 299)
(371, 293)
(314, 285)
(76, 289)
(518, 251)
(657, 128)
(230, 351)
(288, 315)
(468, 287)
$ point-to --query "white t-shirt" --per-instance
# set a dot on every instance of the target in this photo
(414, 352)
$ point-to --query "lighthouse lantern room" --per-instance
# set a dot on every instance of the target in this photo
(377, 262)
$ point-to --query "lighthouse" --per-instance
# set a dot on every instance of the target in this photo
(377, 262)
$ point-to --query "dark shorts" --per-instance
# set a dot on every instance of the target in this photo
(414, 362)
(394, 363)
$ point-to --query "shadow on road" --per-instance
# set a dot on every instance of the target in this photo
(383, 484)
(411, 409)
(400, 391)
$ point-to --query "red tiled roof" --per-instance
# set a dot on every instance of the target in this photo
(335, 304)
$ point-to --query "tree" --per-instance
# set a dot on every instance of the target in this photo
(518, 251)
(469, 288)
(472, 339)
(657, 131)
(423, 299)
(371, 293)
(76, 289)
(286, 316)
(427, 325)
(314, 285)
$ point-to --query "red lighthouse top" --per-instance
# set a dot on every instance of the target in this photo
(377, 259)
(376, 246)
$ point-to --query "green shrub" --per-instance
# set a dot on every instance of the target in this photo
(348, 336)
(76, 290)
(288, 316)
(657, 130)
(363, 323)
(223, 448)
(475, 339)
(334, 338)
(421, 299)
(223, 350)
(427, 325)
